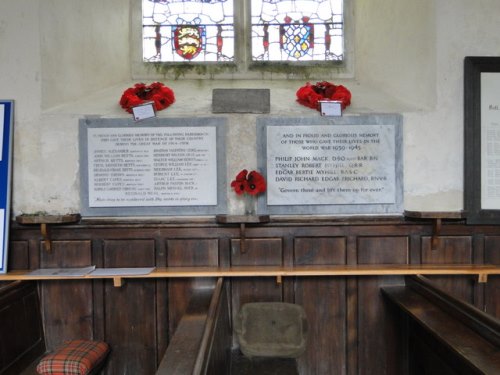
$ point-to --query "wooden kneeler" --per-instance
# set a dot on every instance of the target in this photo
(76, 357)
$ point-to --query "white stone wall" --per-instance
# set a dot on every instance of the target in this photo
(64, 59)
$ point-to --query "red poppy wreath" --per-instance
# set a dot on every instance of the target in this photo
(309, 95)
(161, 96)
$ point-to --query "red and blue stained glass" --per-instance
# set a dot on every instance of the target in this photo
(297, 30)
(296, 38)
(188, 30)
(281, 30)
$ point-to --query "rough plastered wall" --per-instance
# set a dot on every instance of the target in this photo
(55, 52)
(434, 137)
(409, 59)
(20, 79)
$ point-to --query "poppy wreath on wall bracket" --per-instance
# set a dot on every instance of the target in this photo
(252, 183)
(161, 96)
(309, 95)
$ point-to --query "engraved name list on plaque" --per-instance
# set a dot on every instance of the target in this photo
(342, 166)
(139, 169)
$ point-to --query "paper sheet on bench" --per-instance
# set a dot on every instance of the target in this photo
(80, 271)
(122, 271)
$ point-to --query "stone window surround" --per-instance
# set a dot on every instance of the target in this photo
(274, 70)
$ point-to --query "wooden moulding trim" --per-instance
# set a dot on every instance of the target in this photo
(48, 219)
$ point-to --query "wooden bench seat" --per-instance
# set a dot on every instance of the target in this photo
(202, 338)
(445, 335)
(202, 342)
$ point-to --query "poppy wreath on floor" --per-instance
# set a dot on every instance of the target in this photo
(309, 95)
(161, 96)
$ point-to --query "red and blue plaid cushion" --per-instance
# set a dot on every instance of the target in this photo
(78, 357)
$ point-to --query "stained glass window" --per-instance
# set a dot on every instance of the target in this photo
(279, 30)
(297, 30)
(188, 30)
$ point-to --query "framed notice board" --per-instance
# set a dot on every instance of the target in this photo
(482, 139)
(6, 123)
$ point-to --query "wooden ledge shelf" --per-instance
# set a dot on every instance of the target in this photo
(450, 215)
(481, 271)
(48, 219)
(44, 221)
(437, 217)
(245, 219)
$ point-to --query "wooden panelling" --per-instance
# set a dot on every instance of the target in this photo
(383, 250)
(20, 327)
(129, 253)
(132, 306)
(492, 288)
(258, 252)
(452, 250)
(18, 256)
(183, 253)
(67, 306)
(349, 325)
(377, 352)
(324, 301)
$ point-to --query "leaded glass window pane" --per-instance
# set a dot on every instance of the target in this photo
(297, 30)
(188, 30)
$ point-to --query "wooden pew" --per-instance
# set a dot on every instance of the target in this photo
(444, 335)
(201, 343)
(21, 332)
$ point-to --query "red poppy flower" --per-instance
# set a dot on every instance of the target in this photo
(252, 183)
(239, 184)
(242, 175)
(256, 183)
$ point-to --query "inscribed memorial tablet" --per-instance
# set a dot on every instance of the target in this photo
(345, 165)
(174, 163)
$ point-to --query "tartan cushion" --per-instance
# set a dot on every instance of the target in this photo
(77, 357)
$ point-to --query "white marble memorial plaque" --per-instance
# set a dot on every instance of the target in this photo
(152, 166)
(331, 165)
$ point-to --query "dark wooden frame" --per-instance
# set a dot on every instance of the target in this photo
(473, 67)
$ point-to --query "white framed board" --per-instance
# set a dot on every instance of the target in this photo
(6, 124)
